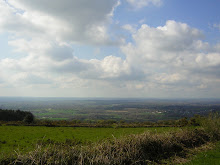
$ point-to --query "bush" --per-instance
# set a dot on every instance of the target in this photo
(29, 118)
(211, 124)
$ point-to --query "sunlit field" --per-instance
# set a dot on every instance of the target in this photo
(25, 138)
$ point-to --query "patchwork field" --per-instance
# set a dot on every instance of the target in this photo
(128, 110)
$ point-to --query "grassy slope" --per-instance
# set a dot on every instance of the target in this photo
(25, 137)
(211, 157)
(132, 149)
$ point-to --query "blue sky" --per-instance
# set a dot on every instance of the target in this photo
(111, 48)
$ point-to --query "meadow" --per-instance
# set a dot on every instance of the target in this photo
(25, 138)
(210, 157)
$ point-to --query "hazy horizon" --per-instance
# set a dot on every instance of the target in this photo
(110, 98)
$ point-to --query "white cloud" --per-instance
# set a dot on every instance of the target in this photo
(173, 55)
(143, 3)
(208, 60)
(73, 21)
(173, 43)
(165, 78)
(130, 28)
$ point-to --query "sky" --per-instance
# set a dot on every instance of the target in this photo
(110, 48)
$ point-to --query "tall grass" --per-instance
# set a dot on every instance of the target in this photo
(211, 125)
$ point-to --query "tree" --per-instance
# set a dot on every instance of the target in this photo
(29, 118)
(183, 122)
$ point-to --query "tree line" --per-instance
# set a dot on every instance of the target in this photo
(16, 115)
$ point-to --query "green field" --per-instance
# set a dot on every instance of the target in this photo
(211, 157)
(25, 138)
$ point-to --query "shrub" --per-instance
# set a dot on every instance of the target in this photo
(211, 124)
(29, 118)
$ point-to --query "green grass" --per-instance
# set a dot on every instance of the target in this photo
(211, 157)
(25, 138)
(131, 149)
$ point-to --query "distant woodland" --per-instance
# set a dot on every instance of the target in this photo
(16, 115)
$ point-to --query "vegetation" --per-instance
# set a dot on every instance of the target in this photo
(146, 148)
(134, 149)
(195, 121)
(208, 157)
(11, 115)
(25, 138)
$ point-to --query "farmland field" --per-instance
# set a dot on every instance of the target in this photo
(128, 110)
(25, 138)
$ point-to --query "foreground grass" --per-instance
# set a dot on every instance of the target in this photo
(146, 148)
(150, 147)
(25, 138)
(211, 157)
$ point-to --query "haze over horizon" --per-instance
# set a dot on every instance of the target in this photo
(110, 48)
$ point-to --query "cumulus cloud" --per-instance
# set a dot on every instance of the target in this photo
(173, 55)
(173, 42)
(65, 21)
(39, 48)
